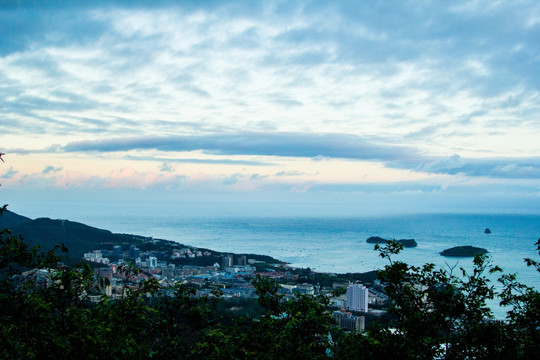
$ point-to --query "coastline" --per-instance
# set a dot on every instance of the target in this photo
(337, 245)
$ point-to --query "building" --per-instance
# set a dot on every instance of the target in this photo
(96, 256)
(102, 273)
(244, 269)
(227, 261)
(117, 250)
(299, 289)
(134, 252)
(348, 321)
(304, 289)
(357, 297)
(241, 260)
(340, 301)
(152, 262)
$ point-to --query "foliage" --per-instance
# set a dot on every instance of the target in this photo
(45, 312)
(297, 328)
(438, 314)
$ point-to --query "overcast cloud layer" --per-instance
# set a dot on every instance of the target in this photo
(336, 96)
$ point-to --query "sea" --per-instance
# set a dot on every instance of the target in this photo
(338, 244)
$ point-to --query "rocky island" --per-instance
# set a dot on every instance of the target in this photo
(380, 240)
(464, 251)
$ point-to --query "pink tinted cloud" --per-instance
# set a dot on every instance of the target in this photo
(73, 179)
(130, 178)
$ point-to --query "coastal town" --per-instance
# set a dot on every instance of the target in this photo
(121, 262)
(226, 275)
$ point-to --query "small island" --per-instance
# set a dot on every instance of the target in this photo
(487, 231)
(380, 240)
(464, 251)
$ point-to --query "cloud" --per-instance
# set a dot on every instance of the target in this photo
(199, 161)
(320, 158)
(124, 178)
(284, 100)
(166, 167)
(10, 173)
(320, 147)
(248, 143)
(51, 170)
(445, 164)
(503, 168)
(289, 173)
(71, 179)
(231, 180)
(395, 83)
(20, 151)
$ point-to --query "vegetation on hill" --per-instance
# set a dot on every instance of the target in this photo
(80, 238)
(9, 220)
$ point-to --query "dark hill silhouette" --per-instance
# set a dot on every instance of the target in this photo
(9, 219)
(78, 238)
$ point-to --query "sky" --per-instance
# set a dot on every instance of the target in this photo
(271, 107)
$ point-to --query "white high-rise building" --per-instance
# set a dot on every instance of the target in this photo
(152, 262)
(357, 297)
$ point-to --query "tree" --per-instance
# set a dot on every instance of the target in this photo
(438, 314)
(296, 328)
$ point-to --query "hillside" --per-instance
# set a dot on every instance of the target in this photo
(78, 238)
(9, 220)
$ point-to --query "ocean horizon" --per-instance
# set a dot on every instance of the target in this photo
(334, 244)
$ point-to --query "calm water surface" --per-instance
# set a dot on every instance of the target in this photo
(339, 244)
